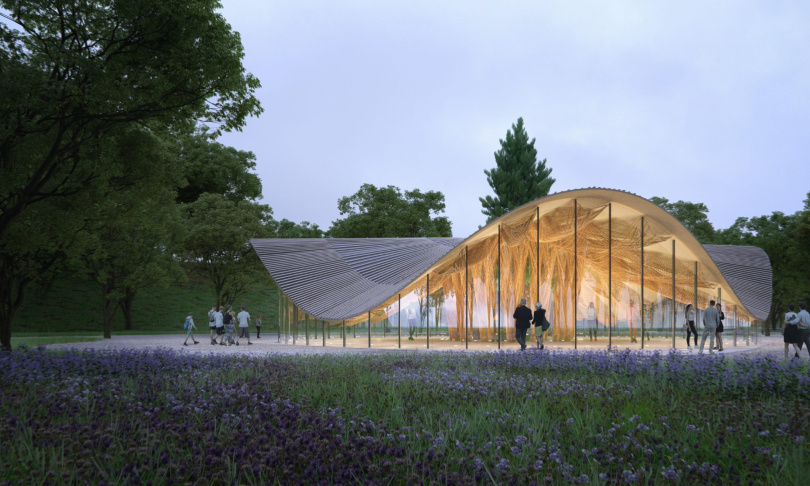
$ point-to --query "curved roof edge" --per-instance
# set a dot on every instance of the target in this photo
(340, 278)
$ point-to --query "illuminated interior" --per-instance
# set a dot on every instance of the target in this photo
(625, 257)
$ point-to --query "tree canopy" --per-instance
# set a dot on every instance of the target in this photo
(72, 71)
(517, 177)
(693, 215)
(374, 212)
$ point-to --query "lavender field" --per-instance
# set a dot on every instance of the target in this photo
(165, 417)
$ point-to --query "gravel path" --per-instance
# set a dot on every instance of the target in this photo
(771, 346)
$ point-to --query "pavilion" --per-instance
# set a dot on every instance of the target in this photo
(636, 263)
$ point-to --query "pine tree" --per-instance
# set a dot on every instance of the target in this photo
(517, 177)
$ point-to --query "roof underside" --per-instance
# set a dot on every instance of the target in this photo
(338, 278)
(341, 278)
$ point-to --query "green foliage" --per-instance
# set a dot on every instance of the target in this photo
(217, 246)
(210, 167)
(289, 229)
(517, 177)
(71, 304)
(693, 215)
(77, 76)
(386, 212)
(778, 235)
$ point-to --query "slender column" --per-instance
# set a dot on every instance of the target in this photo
(279, 314)
(369, 329)
(295, 324)
(674, 309)
(344, 333)
(736, 325)
(399, 320)
(306, 326)
(641, 306)
(466, 298)
(323, 332)
(576, 290)
(695, 307)
(610, 276)
(316, 329)
(427, 310)
(498, 289)
(537, 216)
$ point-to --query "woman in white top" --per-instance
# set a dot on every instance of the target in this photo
(591, 322)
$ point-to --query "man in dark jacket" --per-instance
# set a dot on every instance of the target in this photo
(523, 318)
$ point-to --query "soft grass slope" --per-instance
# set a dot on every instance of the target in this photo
(74, 305)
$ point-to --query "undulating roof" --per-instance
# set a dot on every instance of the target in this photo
(341, 278)
(748, 270)
(337, 278)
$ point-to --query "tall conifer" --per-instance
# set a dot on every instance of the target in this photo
(517, 177)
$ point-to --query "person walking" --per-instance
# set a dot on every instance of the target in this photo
(411, 324)
(539, 320)
(227, 320)
(591, 323)
(790, 331)
(212, 324)
(804, 326)
(689, 324)
(523, 317)
(219, 322)
(719, 332)
(711, 319)
(244, 319)
(189, 326)
(259, 326)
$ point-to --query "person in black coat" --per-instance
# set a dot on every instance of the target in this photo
(523, 317)
(539, 317)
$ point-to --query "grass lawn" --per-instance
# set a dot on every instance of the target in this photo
(73, 305)
(167, 417)
(33, 341)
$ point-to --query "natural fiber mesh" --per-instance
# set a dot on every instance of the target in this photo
(537, 263)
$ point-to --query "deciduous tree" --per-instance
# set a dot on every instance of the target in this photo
(386, 212)
(693, 215)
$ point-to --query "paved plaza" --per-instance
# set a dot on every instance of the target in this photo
(771, 346)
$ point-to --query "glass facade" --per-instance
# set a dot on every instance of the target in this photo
(608, 275)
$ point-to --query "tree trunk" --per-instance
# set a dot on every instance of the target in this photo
(126, 308)
(12, 294)
(109, 307)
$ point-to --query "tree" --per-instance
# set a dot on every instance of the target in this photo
(72, 71)
(777, 234)
(214, 168)
(217, 245)
(517, 177)
(289, 229)
(692, 215)
(71, 74)
(386, 212)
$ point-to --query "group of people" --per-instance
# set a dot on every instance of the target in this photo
(712, 326)
(222, 323)
(796, 329)
(524, 318)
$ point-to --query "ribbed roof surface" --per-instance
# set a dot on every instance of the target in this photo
(748, 270)
(335, 279)
(338, 278)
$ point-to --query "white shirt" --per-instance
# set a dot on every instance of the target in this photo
(243, 318)
(591, 313)
(218, 318)
(804, 319)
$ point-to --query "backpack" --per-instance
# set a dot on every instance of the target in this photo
(185, 324)
(226, 318)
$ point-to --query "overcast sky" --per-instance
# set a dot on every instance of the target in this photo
(700, 101)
